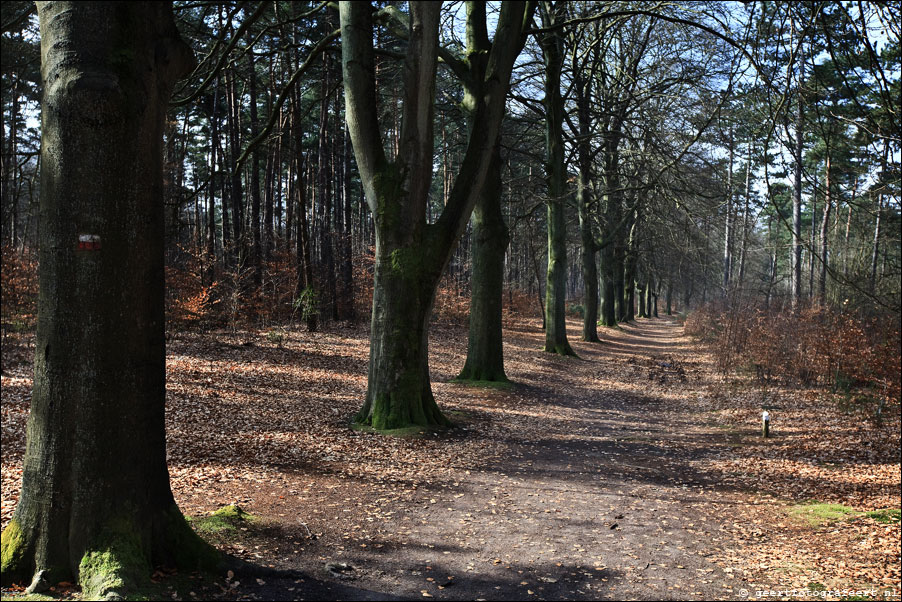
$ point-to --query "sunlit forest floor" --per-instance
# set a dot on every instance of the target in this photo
(633, 472)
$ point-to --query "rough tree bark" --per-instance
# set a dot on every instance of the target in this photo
(96, 501)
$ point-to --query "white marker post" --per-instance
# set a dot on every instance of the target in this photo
(765, 424)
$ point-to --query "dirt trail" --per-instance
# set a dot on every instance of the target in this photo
(595, 493)
(584, 480)
(602, 477)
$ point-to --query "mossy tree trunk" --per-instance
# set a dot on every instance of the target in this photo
(399, 392)
(411, 254)
(551, 42)
(96, 504)
(485, 349)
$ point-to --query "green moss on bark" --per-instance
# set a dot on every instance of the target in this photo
(118, 561)
(14, 554)
(389, 188)
(398, 414)
(562, 349)
(409, 263)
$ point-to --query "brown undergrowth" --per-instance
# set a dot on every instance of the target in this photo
(827, 480)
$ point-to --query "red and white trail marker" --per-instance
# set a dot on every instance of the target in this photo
(88, 242)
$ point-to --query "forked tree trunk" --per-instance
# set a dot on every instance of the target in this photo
(96, 502)
(411, 254)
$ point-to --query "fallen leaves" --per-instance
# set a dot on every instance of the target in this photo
(585, 475)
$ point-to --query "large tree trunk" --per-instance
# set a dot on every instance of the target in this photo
(630, 298)
(630, 273)
(668, 299)
(621, 284)
(96, 501)
(485, 350)
(649, 293)
(556, 175)
(590, 295)
(411, 254)
(399, 393)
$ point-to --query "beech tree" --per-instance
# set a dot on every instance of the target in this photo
(411, 254)
(485, 352)
(551, 40)
(96, 503)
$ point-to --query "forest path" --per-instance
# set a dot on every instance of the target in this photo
(593, 489)
(584, 480)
